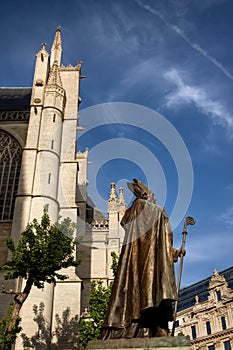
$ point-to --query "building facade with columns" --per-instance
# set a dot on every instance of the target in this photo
(205, 312)
(40, 165)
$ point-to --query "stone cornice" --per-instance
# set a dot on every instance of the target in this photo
(216, 336)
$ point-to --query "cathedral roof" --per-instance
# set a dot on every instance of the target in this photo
(96, 213)
(15, 99)
(187, 294)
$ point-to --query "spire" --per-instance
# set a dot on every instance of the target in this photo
(56, 48)
(112, 197)
(121, 196)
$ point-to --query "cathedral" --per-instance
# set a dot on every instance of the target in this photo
(40, 165)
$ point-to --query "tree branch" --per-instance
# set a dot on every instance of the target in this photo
(10, 291)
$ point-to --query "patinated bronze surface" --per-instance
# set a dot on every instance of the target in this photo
(144, 288)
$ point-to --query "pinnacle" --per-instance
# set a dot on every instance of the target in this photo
(121, 195)
(54, 75)
(112, 192)
(43, 46)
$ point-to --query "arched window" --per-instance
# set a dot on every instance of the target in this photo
(10, 162)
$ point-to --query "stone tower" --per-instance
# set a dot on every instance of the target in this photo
(39, 166)
(102, 237)
(49, 154)
(48, 173)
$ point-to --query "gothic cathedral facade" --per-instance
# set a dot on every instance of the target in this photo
(40, 165)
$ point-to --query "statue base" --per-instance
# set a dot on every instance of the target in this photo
(171, 343)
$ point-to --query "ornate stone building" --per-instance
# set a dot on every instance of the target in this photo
(205, 312)
(39, 166)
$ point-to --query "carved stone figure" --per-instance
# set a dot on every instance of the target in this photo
(144, 287)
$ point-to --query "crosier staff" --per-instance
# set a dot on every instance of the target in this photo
(189, 220)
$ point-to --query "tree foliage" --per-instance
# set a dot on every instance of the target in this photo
(42, 251)
(90, 325)
(115, 259)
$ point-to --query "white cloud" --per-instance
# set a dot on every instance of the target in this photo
(142, 75)
(227, 217)
(189, 41)
(187, 94)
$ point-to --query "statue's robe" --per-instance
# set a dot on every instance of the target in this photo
(145, 279)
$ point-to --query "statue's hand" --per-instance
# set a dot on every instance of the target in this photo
(177, 253)
(182, 252)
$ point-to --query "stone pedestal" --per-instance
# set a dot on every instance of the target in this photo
(171, 343)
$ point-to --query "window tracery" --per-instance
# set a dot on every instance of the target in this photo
(10, 162)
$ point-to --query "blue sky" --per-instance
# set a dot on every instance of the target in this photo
(172, 57)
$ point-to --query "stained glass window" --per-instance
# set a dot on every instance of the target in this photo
(10, 162)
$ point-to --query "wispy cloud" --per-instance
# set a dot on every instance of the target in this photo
(227, 217)
(186, 94)
(229, 187)
(140, 75)
(191, 43)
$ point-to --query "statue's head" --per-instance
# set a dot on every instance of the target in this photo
(140, 190)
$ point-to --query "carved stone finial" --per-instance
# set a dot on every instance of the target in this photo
(43, 46)
(121, 195)
(112, 193)
(216, 280)
(59, 28)
(79, 64)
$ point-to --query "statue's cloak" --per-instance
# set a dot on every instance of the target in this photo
(145, 275)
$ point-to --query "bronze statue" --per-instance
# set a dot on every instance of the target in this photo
(144, 287)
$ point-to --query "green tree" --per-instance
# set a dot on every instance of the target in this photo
(91, 322)
(42, 250)
(115, 259)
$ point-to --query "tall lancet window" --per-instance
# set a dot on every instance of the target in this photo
(10, 162)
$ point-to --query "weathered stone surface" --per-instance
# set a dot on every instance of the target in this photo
(142, 343)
